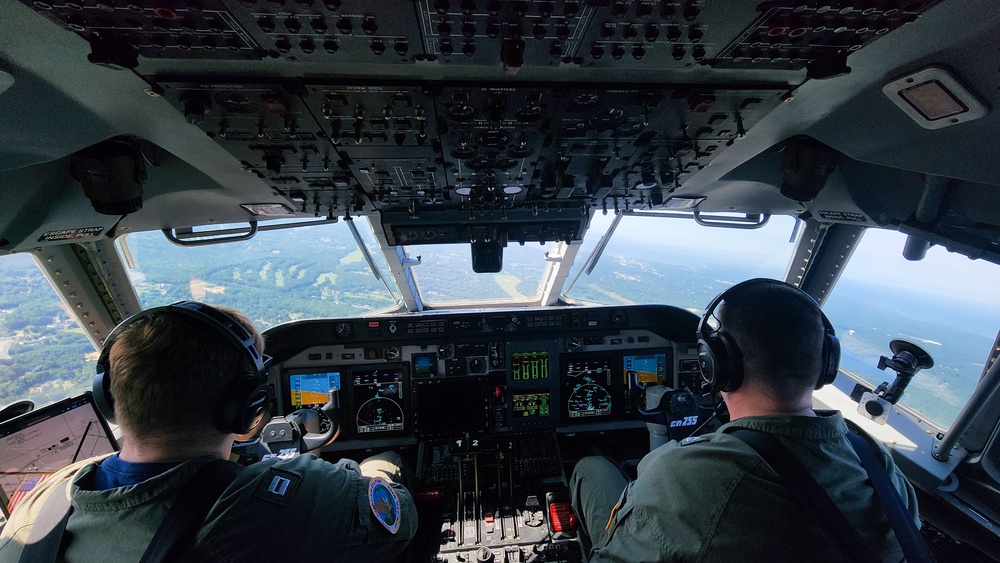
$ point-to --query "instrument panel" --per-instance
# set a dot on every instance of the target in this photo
(429, 376)
(491, 404)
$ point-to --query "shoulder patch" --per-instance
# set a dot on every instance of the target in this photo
(692, 440)
(278, 486)
(384, 503)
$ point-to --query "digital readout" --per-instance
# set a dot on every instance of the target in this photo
(529, 405)
(529, 366)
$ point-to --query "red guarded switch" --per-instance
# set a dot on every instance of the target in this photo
(561, 517)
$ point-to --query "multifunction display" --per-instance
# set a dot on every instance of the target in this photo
(587, 387)
(531, 405)
(378, 400)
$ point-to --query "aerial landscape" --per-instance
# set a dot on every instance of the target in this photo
(319, 272)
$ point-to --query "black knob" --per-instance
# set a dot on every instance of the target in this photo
(369, 26)
(401, 47)
(442, 6)
(469, 49)
(695, 34)
(562, 32)
(652, 33)
(678, 53)
(545, 9)
(468, 30)
(617, 52)
(444, 29)
(691, 11)
(331, 46)
(493, 7)
(673, 33)
(283, 45)
(638, 52)
(538, 31)
(629, 32)
(597, 52)
(293, 25)
(307, 46)
(345, 26)
(468, 7)
(378, 46)
(571, 9)
(493, 31)
(447, 49)
(318, 25)
(619, 9)
(266, 25)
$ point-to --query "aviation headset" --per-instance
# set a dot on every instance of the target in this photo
(250, 397)
(720, 358)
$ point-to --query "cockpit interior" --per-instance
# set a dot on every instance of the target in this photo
(515, 138)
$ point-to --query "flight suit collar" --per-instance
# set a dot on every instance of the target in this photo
(826, 425)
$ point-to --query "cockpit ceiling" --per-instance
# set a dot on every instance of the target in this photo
(454, 119)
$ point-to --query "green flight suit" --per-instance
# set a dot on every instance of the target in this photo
(712, 498)
(322, 514)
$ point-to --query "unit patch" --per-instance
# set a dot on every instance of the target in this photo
(384, 503)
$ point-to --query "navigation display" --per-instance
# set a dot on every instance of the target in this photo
(529, 366)
(587, 386)
(531, 405)
(652, 368)
(35, 445)
(378, 400)
(312, 390)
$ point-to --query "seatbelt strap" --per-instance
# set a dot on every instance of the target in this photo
(48, 528)
(188, 512)
(809, 493)
(915, 549)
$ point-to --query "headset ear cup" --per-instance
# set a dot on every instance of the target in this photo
(721, 362)
(244, 410)
(831, 359)
(103, 398)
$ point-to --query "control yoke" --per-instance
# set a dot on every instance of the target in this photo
(907, 359)
(677, 410)
(296, 433)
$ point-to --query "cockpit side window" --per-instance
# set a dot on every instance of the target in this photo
(945, 303)
(44, 355)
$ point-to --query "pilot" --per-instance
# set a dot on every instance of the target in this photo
(173, 375)
(712, 497)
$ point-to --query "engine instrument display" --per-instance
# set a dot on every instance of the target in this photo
(587, 386)
(529, 366)
(531, 405)
(312, 390)
(652, 368)
(378, 400)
